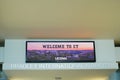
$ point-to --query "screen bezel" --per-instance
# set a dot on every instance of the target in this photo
(63, 60)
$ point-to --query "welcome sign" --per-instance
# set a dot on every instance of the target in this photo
(60, 51)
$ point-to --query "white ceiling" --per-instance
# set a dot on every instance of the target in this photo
(64, 74)
(60, 19)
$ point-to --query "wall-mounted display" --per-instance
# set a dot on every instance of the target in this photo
(60, 51)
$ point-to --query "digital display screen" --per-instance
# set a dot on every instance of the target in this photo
(60, 51)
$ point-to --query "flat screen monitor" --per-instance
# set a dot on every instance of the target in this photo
(60, 51)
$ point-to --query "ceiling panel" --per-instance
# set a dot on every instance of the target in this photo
(97, 19)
